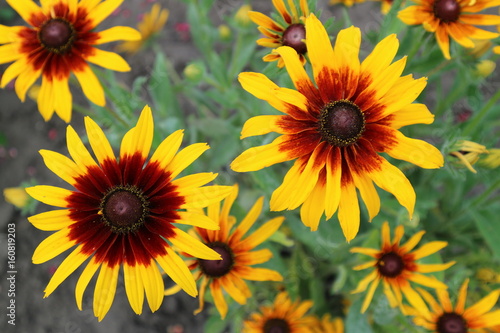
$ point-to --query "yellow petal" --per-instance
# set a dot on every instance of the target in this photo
(78, 151)
(9, 34)
(368, 194)
(192, 246)
(349, 215)
(254, 257)
(220, 303)
(367, 251)
(103, 10)
(52, 220)
(90, 85)
(261, 87)
(415, 299)
(133, 287)
(430, 268)
(391, 179)
(204, 196)
(50, 195)
(117, 33)
(46, 99)
(259, 274)
(381, 56)
(232, 290)
(13, 70)
(52, 246)
(63, 100)
(68, 266)
(194, 181)
(197, 220)
(257, 158)
(139, 138)
(262, 233)
(98, 141)
(185, 157)
(369, 295)
(105, 289)
(62, 166)
(10, 52)
(250, 218)
(108, 60)
(405, 91)
(415, 151)
(363, 284)
(333, 177)
(319, 46)
(26, 80)
(313, 207)
(428, 249)
(295, 70)
(261, 125)
(177, 270)
(427, 281)
(153, 285)
(484, 305)
(411, 114)
(412, 242)
(167, 149)
(84, 280)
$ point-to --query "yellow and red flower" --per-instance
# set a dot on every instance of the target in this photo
(336, 128)
(444, 318)
(328, 325)
(291, 33)
(452, 18)
(230, 273)
(60, 40)
(122, 212)
(283, 316)
(396, 267)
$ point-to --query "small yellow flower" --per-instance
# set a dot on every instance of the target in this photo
(16, 196)
(444, 318)
(241, 15)
(193, 72)
(485, 67)
(468, 153)
(348, 3)
(492, 160)
(151, 23)
(224, 32)
(396, 266)
(488, 275)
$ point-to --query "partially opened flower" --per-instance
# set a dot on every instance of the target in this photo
(122, 212)
(328, 325)
(452, 18)
(60, 40)
(348, 3)
(236, 250)
(444, 318)
(467, 153)
(283, 315)
(150, 24)
(492, 160)
(291, 32)
(396, 267)
(336, 128)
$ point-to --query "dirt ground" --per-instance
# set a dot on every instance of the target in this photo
(22, 134)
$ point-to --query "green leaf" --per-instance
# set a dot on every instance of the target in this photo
(357, 321)
(487, 223)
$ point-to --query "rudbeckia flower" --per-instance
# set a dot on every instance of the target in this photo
(237, 254)
(468, 152)
(452, 18)
(123, 212)
(328, 325)
(396, 267)
(60, 40)
(444, 318)
(150, 24)
(334, 129)
(348, 3)
(290, 33)
(282, 316)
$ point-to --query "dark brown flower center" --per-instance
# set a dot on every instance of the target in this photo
(294, 37)
(124, 209)
(218, 268)
(57, 35)
(451, 323)
(447, 10)
(390, 265)
(276, 325)
(341, 123)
